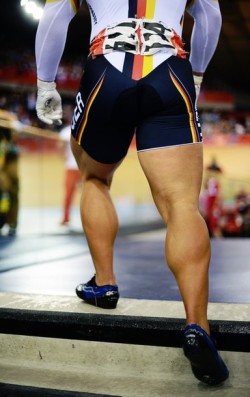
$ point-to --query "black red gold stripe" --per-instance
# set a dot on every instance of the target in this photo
(139, 66)
(183, 92)
(89, 103)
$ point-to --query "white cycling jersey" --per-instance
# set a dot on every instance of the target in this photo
(110, 12)
(52, 30)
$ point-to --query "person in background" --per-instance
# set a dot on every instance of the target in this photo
(214, 201)
(139, 80)
(72, 174)
(4, 183)
(10, 169)
(9, 159)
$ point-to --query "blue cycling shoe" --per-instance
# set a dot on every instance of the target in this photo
(105, 296)
(207, 366)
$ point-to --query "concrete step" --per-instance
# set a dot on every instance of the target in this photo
(51, 344)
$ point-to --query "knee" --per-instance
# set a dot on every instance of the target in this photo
(170, 204)
(99, 181)
(173, 211)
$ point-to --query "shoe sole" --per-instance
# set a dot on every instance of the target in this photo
(205, 366)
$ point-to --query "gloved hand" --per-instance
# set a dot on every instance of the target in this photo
(49, 103)
(197, 84)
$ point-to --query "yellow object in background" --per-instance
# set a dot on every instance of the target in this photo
(4, 202)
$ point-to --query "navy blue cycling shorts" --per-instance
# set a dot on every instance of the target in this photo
(111, 107)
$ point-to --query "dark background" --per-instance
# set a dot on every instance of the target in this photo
(229, 69)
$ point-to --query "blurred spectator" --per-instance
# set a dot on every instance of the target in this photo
(72, 175)
(230, 222)
(211, 200)
(226, 124)
(239, 128)
(243, 207)
(4, 186)
(11, 170)
(246, 222)
(9, 182)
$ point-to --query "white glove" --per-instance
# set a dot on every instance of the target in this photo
(197, 84)
(48, 103)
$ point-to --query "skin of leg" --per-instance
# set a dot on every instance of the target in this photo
(175, 175)
(98, 214)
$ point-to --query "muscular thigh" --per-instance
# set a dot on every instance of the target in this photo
(174, 174)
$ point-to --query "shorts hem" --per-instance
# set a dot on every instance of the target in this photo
(167, 146)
